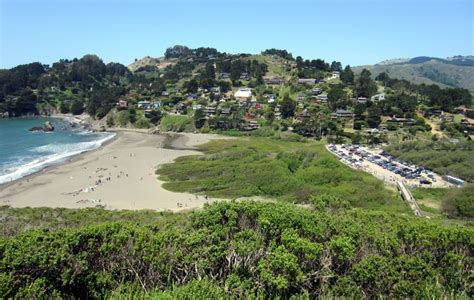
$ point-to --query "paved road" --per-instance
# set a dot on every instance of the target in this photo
(408, 197)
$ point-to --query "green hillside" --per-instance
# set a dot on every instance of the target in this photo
(455, 72)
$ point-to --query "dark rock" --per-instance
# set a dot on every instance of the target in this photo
(36, 128)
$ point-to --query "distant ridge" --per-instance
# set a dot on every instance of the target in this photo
(456, 71)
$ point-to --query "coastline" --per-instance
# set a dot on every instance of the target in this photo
(120, 174)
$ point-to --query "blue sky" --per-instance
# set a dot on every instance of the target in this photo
(353, 32)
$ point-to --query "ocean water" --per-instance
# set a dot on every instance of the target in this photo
(23, 152)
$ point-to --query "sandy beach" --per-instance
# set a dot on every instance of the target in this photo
(119, 175)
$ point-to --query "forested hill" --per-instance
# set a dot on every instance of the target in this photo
(457, 71)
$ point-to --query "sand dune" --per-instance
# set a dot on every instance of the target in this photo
(120, 175)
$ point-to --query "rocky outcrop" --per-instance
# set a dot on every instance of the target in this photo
(48, 126)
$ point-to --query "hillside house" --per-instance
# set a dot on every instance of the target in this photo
(210, 110)
(463, 109)
(144, 104)
(334, 75)
(341, 113)
(243, 94)
(122, 103)
(311, 81)
(225, 111)
(323, 98)
(273, 80)
(378, 97)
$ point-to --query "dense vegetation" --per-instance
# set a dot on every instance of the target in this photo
(443, 157)
(459, 203)
(231, 250)
(276, 167)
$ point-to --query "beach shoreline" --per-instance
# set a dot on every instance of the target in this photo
(120, 174)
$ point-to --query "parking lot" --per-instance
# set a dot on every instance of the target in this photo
(386, 167)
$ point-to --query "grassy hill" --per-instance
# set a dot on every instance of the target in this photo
(452, 72)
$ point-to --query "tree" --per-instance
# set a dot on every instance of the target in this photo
(199, 118)
(336, 66)
(365, 85)
(334, 96)
(210, 71)
(347, 76)
(288, 107)
(374, 113)
(76, 107)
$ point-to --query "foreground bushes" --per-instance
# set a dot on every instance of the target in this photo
(244, 249)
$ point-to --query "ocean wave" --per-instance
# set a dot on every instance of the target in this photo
(57, 154)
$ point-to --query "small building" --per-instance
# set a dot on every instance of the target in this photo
(316, 91)
(165, 94)
(361, 100)
(197, 106)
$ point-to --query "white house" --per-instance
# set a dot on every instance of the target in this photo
(243, 94)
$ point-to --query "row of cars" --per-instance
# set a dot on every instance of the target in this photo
(356, 154)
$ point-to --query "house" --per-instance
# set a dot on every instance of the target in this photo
(378, 97)
(156, 104)
(401, 120)
(463, 109)
(468, 122)
(165, 94)
(244, 76)
(273, 80)
(192, 96)
(250, 125)
(316, 91)
(306, 80)
(197, 106)
(341, 113)
(225, 111)
(216, 90)
(243, 94)
(224, 75)
(323, 98)
(145, 104)
(122, 103)
(209, 110)
(302, 115)
(334, 75)
(361, 100)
